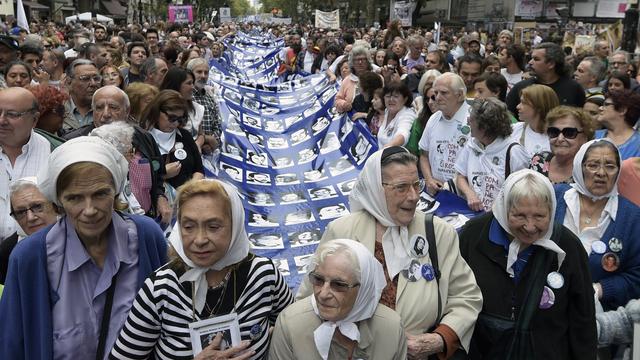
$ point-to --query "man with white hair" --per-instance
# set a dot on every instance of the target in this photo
(446, 132)
(205, 96)
(23, 152)
(111, 104)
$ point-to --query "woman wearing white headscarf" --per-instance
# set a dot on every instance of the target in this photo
(211, 274)
(607, 224)
(60, 279)
(515, 258)
(342, 319)
(437, 314)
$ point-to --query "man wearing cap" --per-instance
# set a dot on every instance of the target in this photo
(8, 53)
(22, 151)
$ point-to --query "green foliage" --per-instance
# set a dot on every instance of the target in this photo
(240, 8)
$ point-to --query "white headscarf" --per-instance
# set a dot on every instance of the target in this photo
(578, 175)
(82, 149)
(372, 282)
(238, 247)
(500, 212)
(368, 194)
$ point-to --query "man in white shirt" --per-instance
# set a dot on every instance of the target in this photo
(512, 61)
(23, 152)
(446, 132)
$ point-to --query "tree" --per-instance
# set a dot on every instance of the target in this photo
(240, 8)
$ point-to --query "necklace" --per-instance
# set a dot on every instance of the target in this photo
(588, 217)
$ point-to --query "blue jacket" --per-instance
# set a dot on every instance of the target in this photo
(26, 330)
(623, 284)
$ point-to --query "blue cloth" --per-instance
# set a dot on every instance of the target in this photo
(631, 148)
(623, 284)
(499, 236)
(25, 307)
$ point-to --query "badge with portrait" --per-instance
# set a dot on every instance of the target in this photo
(204, 331)
(418, 246)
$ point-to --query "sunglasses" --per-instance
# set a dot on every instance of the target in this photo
(174, 118)
(568, 132)
(335, 285)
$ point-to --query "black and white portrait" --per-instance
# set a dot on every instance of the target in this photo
(340, 166)
(258, 178)
(307, 155)
(266, 241)
(277, 142)
(347, 186)
(299, 136)
(324, 192)
(298, 217)
(233, 172)
(292, 197)
(314, 175)
(287, 179)
(261, 199)
(304, 237)
(260, 220)
(283, 162)
(320, 125)
(258, 159)
(329, 143)
(332, 211)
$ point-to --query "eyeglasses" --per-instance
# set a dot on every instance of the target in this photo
(14, 115)
(174, 118)
(87, 78)
(568, 132)
(403, 188)
(594, 167)
(335, 285)
(35, 208)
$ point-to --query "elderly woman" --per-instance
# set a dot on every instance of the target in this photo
(69, 287)
(162, 119)
(211, 274)
(342, 319)
(606, 223)
(31, 210)
(620, 112)
(359, 62)
(490, 156)
(395, 128)
(535, 102)
(438, 310)
(569, 128)
(140, 96)
(533, 277)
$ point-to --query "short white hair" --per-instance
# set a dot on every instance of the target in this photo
(333, 248)
(127, 103)
(118, 134)
(530, 187)
(454, 82)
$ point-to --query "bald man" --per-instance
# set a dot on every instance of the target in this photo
(23, 151)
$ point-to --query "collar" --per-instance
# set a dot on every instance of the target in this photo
(572, 199)
(498, 235)
(31, 144)
(461, 114)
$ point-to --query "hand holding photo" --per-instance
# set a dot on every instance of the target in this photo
(205, 331)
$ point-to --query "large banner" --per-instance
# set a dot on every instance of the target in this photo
(402, 11)
(328, 20)
(181, 13)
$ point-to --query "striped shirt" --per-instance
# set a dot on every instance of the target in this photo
(158, 324)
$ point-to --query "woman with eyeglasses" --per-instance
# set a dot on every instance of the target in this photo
(438, 306)
(619, 115)
(164, 118)
(534, 276)
(210, 274)
(569, 128)
(343, 319)
(112, 76)
(395, 128)
(606, 223)
(182, 81)
(490, 156)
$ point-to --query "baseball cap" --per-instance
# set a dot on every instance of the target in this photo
(9, 42)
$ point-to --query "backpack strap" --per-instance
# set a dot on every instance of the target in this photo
(507, 162)
(433, 256)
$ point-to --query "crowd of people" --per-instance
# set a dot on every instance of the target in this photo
(103, 130)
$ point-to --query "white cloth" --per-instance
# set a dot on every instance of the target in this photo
(35, 155)
(534, 142)
(82, 149)
(399, 125)
(195, 119)
(368, 194)
(578, 176)
(238, 247)
(372, 282)
(512, 79)
(484, 167)
(165, 141)
(443, 139)
(501, 211)
(589, 234)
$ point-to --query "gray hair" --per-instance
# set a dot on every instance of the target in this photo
(333, 248)
(148, 67)
(359, 51)
(597, 68)
(21, 184)
(456, 83)
(415, 39)
(71, 69)
(530, 187)
(125, 98)
(432, 73)
(196, 62)
(621, 52)
(118, 134)
(506, 32)
(404, 158)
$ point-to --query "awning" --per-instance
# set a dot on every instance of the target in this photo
(35, 5)
(67, 8)
(114, 7)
